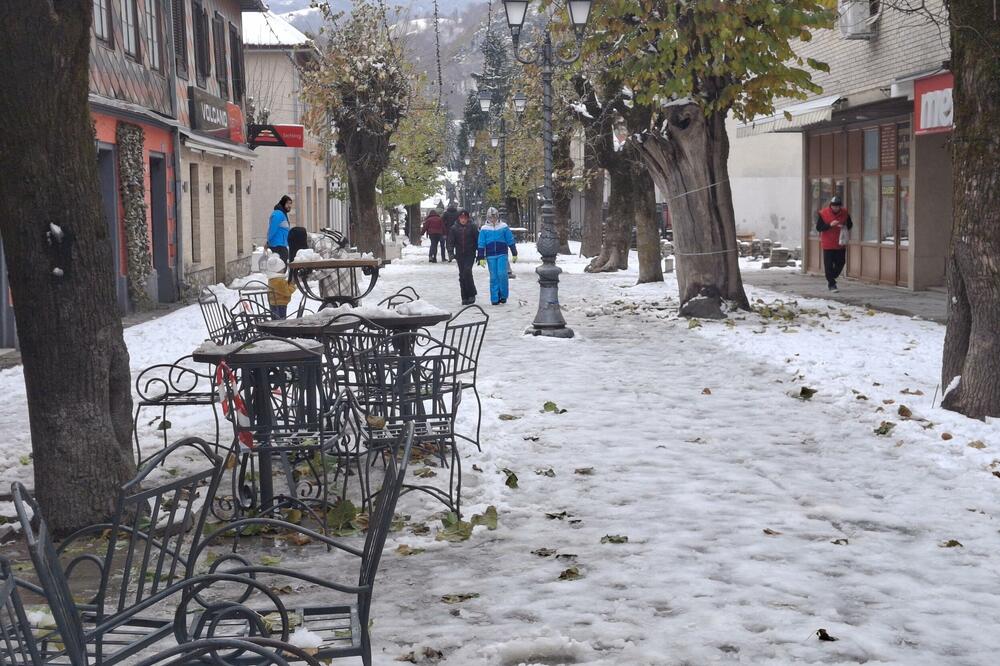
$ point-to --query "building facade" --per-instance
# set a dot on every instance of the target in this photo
(276, 55)
(865, 139)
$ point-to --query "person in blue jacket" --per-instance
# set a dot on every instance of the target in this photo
(495, 238)
(278, 226)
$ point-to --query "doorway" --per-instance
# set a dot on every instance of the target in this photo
(166, 287)
(108, 181)
(219, 193)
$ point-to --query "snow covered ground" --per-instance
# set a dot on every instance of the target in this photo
(756, 511)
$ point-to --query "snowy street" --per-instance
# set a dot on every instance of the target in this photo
(756, 511)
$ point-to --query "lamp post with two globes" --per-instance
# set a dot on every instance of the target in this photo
(548, 320)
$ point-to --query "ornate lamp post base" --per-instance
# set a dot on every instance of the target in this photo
(549, 319)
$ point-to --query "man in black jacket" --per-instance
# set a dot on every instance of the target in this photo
(450, 218)
(463, 242)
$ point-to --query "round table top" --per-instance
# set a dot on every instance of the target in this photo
(306, 327)
(261, 351)
(406, 322)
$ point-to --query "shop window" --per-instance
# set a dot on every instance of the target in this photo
(130, 28)
(888, 196)
(904, 210)
(180, 38)
(853, 200)
(903, 145)
(814, 204)
(871, 149)
(869, 209)
(153, 34)
(102, 20)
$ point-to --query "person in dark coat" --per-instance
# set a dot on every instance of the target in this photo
(463, 243)
(434, 227)
(450, 217)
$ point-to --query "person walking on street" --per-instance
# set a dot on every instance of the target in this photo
(278, 226)
(463, 244)
(495, 238)
(833, 224)
(434, 227)
(450, 217)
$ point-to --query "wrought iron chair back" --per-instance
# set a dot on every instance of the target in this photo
(404, 295)
(218, 319)
(343, 338)
(175, 384)
(256, 291)
(17, 642)
(245, 315)
(466, 332)
(50, 574)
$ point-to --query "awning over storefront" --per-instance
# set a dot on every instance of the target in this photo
(803, 115)
(215, 147)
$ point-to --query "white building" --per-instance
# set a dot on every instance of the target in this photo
(276, 53)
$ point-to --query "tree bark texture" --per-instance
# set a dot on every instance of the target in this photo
(368, 234)
(76, 365)
(593, 200)
(688, 161)
(647, 227)
(562, 188)
(414, 221)
(972, 339)
(513, 212)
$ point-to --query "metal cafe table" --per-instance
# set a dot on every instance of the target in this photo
(344, 273)
(256, 361)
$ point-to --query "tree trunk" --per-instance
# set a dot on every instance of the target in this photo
(972, 339)
(562, 189)
(647, 228)
(76, 367)
(688, 160)
(414, 222)
(368, 234)
(593, 202)
(513, 212)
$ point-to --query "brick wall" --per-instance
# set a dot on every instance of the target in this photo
(904, 44)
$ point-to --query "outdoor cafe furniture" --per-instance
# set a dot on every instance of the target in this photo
(404, 295)
(465, 333)
(275, 397)
(177, 384)
(339, 281)
(230, 324)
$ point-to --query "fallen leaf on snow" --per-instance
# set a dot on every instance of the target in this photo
(614, 538)
(459, 598)
(821, 633)
(977, 444)
(769, 532)
(406, 550)
(706, 391)
(573, 573)
(543, 552)
(584, 471)
(951, 543)
(946, 436)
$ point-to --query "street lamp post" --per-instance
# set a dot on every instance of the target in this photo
(549, 320)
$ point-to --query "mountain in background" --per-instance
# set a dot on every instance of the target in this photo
(461, 25)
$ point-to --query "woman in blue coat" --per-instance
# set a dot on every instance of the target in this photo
(495, 238)
(278, 226)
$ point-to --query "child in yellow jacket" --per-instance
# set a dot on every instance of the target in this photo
(279, 286)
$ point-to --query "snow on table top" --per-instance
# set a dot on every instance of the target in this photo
(858, 522)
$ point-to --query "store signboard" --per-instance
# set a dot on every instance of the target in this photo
(934, 111)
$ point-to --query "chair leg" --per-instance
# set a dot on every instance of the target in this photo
(455, 480)
(135, 434)
(163, 421)
(479, 415)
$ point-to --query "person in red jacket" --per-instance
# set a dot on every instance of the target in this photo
(830, 221)
(434, 227)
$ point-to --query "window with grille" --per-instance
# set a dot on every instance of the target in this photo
(153, 34)
(236, 54)
(130, 28)
(221, 64)
(180, 38)
(202, 55)
(102, 20)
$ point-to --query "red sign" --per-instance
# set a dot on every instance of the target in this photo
(235, 123)
(933, 110)
(287, 136)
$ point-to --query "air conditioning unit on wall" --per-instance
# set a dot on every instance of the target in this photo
(859, 18)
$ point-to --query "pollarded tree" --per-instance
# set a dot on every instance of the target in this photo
(971, 367)
(358, 95)
(697, 61)
(76, 365)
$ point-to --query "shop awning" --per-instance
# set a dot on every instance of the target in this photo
(803, 115)
(215, 147)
